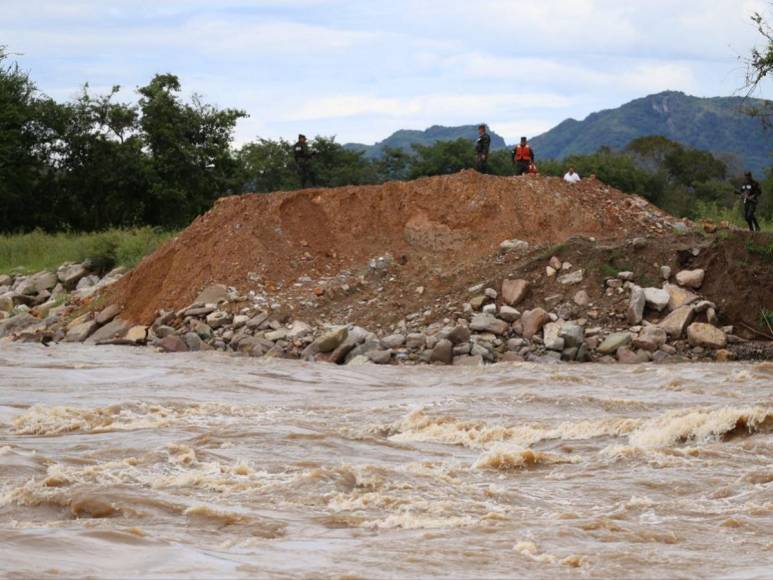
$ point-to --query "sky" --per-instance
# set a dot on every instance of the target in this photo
(360, 70)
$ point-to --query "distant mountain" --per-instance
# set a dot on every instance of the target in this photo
(716, 125)
(405, 138)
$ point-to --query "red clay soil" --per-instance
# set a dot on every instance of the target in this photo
(440, 222)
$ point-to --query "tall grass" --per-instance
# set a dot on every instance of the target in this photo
(733, 215)
(35, 251)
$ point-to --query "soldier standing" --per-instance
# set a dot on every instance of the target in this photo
(482, 146)
(303, 161)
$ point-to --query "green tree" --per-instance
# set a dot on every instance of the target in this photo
(759, 66)
(189, 144)
(442, 158)
(267, 165)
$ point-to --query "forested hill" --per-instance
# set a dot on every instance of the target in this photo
(405, 138)
(716, 124)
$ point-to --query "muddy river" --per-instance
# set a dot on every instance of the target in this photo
(119, 462)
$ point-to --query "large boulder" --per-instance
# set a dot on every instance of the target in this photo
(443, 352)
(614, 341)
(172, 343)
(678, 297)
(212, 294)
(488, 323)
(107, 314)
(70, 274)
(298, 329)
(573, 334)
(514, 291)
(6, 301)
(690, 278)
(635, 311)
(533, 321)
(81, 331)
(651, 338)
(675, 323)
(656, 298)
(393, 341)
(16, 324)
(330, 340)
(551, 338)
(113, 330)
(37, 283)
(700, 334)
(218, 318)
(458, 334)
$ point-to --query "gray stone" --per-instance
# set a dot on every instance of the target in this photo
(555, 263)
(393, 341)
(416, 340)
(463, 348)
(339, 354)
(298, 329)
(514, 245)
(665, 272)
(573, 334)
(509, 314)
(163, 330)
(490, 293)
(6, 301)
(458, 334)
(651, 338)
(107, 314)
(257, 321)
(199, 311)
(6, 280)
(363, 348)
(514, 291)
(679, 297)
(330, 340)
(533, 321)
(703, 306)
(87, 282)
(172, 343)
(218, 318)
(700, 334)
(70, 274)
(569, 354)
(193, 342)
(581, 298)
(583, 354)
(690, 278)
(614, 341)
(358, 360)
(488, 323)
(113, 330)
(572, 278)
(80, 332)
(380, 357)
(656, 298)
(213, 294)
(443, 352)
(489, 309)
(275, 335)
(635, 311)
(477, 302)
(37, 283)
(675, 323)
(550, 338)
(515, 344)
(625, 276)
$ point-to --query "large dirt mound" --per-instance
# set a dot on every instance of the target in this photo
(431, 224)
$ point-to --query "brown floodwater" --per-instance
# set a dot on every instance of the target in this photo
(120, 462)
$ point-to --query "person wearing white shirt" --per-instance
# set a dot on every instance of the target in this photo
(571, 176)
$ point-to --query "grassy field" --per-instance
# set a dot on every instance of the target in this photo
(733, 215)
(35, 251)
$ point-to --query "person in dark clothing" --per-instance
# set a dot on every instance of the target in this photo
(303, 161)
(482, 146)
(523, 157)
(750, 194)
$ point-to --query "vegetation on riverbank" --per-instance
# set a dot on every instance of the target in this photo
(38, 250)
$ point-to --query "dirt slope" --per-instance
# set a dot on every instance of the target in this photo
(430, 225)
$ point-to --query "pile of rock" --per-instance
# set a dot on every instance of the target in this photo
(660, 323)
(30, 304)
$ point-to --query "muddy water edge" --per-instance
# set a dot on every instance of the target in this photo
(119, 462)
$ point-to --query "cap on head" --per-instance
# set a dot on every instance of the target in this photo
(523, 139)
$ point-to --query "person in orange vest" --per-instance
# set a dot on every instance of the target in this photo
(523, 157)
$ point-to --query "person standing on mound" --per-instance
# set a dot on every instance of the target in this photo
(482, 146)
(303, 162)
(523, 157)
